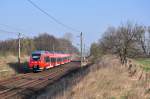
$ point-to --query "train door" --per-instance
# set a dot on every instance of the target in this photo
(62, 60)
(47, 62)
(53, 61)
(57, 63)
(65, 59)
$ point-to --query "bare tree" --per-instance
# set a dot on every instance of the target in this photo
(126, 41)
(149, 29)
(119, 41)
(94, 49)
(68, 36)
(141, 39)
(126, 34)
(42, 42)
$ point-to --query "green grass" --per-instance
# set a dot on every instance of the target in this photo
(124, 97)
(145, 62)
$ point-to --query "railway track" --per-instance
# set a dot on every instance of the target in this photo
(17, 87)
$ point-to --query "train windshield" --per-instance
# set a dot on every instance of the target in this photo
(36, 57)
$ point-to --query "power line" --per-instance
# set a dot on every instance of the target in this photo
(15, 33)
(23, 35)
(14, 28)
(9, 32)
(53, 18)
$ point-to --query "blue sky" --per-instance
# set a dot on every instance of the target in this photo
(92, 17)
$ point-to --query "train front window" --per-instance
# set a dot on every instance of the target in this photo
(36, 57)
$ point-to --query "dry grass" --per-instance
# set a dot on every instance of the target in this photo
(8, 65)
(106, 80)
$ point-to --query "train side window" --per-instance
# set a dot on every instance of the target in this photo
(59, 59)
(47, 59)
(53, 59)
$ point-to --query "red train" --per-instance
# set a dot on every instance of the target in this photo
(40, 60)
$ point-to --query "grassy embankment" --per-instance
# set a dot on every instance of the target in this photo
(106, 79)
(145, 63)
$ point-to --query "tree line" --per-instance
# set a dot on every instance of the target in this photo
(41, 42)
(127, 40)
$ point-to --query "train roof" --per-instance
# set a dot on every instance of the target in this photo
(48, 52)
(39, 52)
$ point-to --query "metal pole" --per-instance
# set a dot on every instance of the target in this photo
(81, 41)
(53, 48)
(84, 53)
(19, 49)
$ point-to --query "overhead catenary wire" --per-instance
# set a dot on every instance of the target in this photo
(9, 32)
(53, 18)
(14, 28)
(22, 35)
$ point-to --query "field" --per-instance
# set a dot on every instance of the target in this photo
(145, 62)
